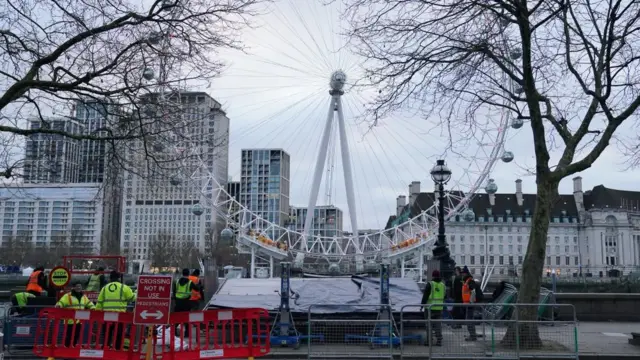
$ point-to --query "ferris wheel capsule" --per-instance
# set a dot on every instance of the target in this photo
(148, 74)
(158, 147)
(507, 156)
(226, 236)
(334, 268)
(155, 38)
(468, 215)
(515, 54)
(167, 3)
(175, 181)
(197, 210)
(491, 187)
(517, 123)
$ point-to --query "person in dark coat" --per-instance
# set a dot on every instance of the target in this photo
(458, 312)
(499, 290)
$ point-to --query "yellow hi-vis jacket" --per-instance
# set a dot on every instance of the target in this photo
(114, 297)
(94, 283)
(68, 301)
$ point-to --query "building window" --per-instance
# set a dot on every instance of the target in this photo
(491, 260)
(558, 260)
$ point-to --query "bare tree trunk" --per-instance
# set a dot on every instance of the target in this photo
(529, 292)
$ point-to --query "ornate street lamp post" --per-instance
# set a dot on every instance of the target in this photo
(441, 175)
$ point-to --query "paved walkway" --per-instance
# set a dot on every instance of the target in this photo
(607, 339)
(595, 341)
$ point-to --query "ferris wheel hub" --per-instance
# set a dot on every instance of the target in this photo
(338, 79)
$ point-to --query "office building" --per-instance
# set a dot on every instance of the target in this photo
(163, 206)
(264, 185)
(590, 233)
(48, 215)
(53, 158)
(327, 222)
(94, 157)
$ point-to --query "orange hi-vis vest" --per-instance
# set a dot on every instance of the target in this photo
(195, 294)
(33, 282)
(466, 291)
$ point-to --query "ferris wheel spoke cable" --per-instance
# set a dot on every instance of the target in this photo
(321, 53)
(309, 63)
(364, 176)
(277, 137)
(310, 146)
(252, 127)
(258, 127)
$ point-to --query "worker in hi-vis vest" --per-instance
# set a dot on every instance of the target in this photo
(434, 293)
(37, 282)
(96, 281)
(19, 302)
(196, 295)
(74, 299)
(115, 296)
(182, 290)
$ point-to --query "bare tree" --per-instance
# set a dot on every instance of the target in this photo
(223, 254)
(162, 250)
(567, 68)
(17, 250)
(186, 255)
(128, 60)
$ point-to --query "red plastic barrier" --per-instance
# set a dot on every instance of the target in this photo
(237, 333)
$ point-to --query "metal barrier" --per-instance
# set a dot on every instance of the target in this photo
(66, 333)
(335, 333)
(477, 336)
(20, 327)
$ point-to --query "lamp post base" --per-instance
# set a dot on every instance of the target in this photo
(447, 264)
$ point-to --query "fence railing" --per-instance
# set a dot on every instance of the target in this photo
(417, 331)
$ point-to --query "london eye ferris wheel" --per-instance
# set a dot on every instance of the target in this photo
(297, 90)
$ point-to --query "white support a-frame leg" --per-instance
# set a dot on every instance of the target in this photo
(335, 105)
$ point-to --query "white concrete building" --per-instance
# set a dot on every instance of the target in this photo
(41, 213)
(163, 208)
(590, 233)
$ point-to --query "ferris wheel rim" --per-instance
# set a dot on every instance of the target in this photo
(457, 205)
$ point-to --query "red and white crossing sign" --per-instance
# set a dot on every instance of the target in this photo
(153, 303)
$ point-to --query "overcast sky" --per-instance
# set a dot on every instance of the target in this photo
(277, 97)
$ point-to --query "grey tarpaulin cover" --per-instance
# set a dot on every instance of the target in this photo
(354, 293)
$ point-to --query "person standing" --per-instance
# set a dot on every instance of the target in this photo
(434, 293)
(458, 312)
(96, 281)
(182, 291)
(196, 295)
(74, 299)
(115, 296)
(37, 281)
(469, 288)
